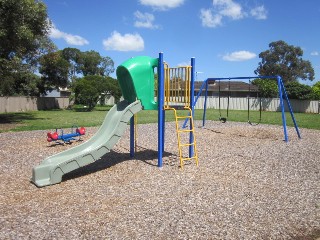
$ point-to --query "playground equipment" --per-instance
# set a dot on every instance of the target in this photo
(66, 138)
(260, 107)
(136, 79)
(224, 119)
(282, 95)
(179, 94)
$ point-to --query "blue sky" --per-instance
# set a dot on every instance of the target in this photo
(225, 36)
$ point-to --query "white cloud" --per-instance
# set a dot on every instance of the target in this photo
(229, 9)
(209, 20)
(315, 53)
(162, 4)
(69, 38)
(259, 12)
(124, 43)
(239, 56)
(145, 20)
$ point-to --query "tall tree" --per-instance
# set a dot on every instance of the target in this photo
(73, 56)
(24, 38)
(106, 66)
(62, 68)
(23, 24)
(92, 63)
(285, 60)
(54, 70)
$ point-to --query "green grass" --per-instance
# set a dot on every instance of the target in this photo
(52, 119)
(79, 116)
(304, 120)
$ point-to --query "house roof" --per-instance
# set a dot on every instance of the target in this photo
(235, 86)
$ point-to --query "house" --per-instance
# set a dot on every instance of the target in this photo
(61, 92)
(228, 88)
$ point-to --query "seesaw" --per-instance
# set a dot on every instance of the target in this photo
(66, 138)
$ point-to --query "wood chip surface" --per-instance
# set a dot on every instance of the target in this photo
(249, 184)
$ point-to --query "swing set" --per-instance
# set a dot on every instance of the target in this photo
(282, 95)
(223, 119)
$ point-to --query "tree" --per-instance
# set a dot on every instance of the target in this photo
(285, 60)
(268, 88)
(23, 39)
(106, 66)
(316, 90)
(22, 26)
(90, 89)
(296, 90)
(73, 56)
(17, 79)
(113, 88)
(54, 70)
(28, 84)
(91, 63)
(86, 93)
(61, 68)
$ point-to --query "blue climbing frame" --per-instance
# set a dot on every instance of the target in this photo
(282, 94)
(161, 111)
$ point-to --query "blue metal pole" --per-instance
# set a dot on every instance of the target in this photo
(195, 101)
(282, 109)
(164, 129)
(132, 136)
(205, 105)
(160, 109)
(290, 109)
(193, 74)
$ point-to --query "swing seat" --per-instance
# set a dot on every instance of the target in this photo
(254, 124)
(223, 119)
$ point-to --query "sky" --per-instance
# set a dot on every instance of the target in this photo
(224, 36)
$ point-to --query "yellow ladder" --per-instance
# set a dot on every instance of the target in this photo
(183, 131)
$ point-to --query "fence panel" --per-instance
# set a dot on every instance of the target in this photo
(267, 104)
(22, 104)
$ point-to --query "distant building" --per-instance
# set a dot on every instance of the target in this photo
(228, 88)
(61, 92)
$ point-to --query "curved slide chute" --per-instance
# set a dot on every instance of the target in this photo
(51, 169)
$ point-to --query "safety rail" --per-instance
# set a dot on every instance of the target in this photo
(177, 86)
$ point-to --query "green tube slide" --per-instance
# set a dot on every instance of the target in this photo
(136, 79)
(51, 169)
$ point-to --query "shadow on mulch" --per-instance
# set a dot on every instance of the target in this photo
(112, 158)
(15, 117)
(314, 235)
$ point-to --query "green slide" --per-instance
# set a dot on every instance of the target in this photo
(51, 169)
(136, 80)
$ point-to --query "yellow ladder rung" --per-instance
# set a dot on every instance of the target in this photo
(186, 144)
(183, 117)
(189, 158)
(190, 130)
(185, 130)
